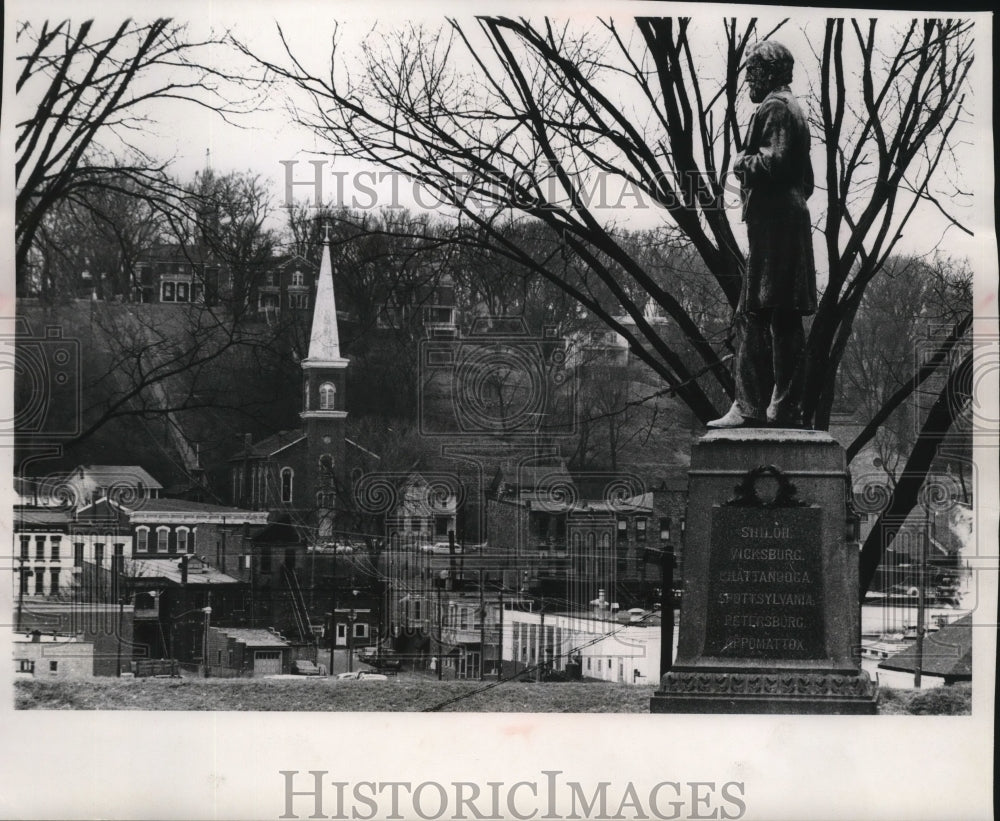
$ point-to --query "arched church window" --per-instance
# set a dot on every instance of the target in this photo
(327, 395)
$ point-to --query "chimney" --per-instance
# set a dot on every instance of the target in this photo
(36, 636)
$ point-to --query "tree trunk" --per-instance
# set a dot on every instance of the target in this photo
(948, 405)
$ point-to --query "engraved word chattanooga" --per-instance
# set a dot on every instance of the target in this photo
(764, 583)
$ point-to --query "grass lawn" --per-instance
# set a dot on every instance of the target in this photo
(402, 693)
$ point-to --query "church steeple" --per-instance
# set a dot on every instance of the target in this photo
(324, 339)
(324, 408)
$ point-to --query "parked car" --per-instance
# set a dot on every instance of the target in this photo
(304, 667)
(381, 662)
(361, 675)
(440, 548)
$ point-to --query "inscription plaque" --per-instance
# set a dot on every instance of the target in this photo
(765, 583)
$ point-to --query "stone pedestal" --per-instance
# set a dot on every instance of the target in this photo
(770, 620)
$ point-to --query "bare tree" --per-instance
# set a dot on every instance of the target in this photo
(87, 93)
(547, 113)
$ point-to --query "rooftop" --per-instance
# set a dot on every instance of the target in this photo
(111, 474)
(946, 653)
(270, 445)
(168, 568)
(253, 637)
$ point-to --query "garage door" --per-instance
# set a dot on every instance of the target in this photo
(266, 661)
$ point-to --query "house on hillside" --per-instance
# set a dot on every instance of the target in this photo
(178, 273)
(287, 285)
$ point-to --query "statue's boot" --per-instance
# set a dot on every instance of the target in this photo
(735, 419)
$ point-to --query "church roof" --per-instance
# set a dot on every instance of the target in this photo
(324, 339)
(270, 445)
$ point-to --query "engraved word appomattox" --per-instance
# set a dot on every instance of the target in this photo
(764, 588)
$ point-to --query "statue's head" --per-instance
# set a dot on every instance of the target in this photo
(769, 66)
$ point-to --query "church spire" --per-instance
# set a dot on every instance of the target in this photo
(324, 340)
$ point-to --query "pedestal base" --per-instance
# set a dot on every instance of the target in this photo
(778, 692)
(770, 620)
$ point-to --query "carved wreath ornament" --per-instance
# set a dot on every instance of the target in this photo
(752, 491)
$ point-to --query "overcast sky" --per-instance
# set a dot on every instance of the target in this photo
(268, 136)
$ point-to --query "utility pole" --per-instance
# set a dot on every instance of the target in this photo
(921, 581)
(541, 639)
(482, 629)
(667, 605)
(440, 635)
(500, 634)
(333, 613)
(351, 618)
(118, 631)
(208, 621)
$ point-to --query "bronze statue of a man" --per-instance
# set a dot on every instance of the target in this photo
(779, 286)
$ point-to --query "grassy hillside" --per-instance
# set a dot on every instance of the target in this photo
(399, 694)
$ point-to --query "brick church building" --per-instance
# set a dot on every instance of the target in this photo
(312, 550)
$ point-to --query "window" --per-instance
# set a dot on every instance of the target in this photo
(26, 666)
(53, 666)
(441, 526)
(196, 293)
(327, 396)
(640, 530)
(298, 278)
(193, 541)
(119, 558)
(167, 292)
(141, 539)
(665, 530)
(78, 554)
(25, 541)
(182, 292)
(40, 548)
(182, 540)
(341, 631)
(54, 581)
(622, 530)
(287, 475)
(298, 300)
(54, 551)
(99, 555)
(360, 630)
(162, 539)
